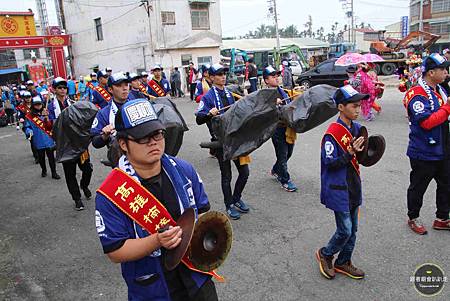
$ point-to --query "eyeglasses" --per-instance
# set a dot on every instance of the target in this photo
(156, 136)
(61, 87)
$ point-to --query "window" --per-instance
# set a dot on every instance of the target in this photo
(168, 18)
(415, 10)
(414, 27)
(7, 59)
(440, 28)
(99, 29)
(203, 60)
(27, 53)
(200, 16)
(440, 6)
(186, 59)
(326, 67)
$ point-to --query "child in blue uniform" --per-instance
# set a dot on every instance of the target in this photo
(341, 184)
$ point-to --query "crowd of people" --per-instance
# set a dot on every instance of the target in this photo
(138, 202)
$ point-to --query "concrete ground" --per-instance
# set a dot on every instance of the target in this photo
(48, 251)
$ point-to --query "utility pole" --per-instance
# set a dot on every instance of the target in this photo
(148, 8)
(421, 20)
(353, 24)
(273, 10)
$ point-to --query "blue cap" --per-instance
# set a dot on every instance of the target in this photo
(102, 73)
(59, 81)
(117, 78)
(36, 100)
(205, 68)
(433, 61)
(217, 68)
(26, 94)
(347, 94)
(132, 76)
(269, 70)
(137, 118)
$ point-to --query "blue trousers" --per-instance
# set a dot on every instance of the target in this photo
(283, 152)
(253, 85)
(343, 241)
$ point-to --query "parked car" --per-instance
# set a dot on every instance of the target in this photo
(324, 73)
(296, 68)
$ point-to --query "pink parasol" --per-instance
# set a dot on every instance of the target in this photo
(372, 58)
(350, 59)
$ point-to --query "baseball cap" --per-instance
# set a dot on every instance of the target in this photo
(59, 81)
(108, 69)
(269, 70)
(217, 68)
(433, 61)
(36, 100)
(137, 118)
(102, 73)
(347, 94)
(26, 94)
(205, 68)
(117, 78)
(93, 74)
(143, 74)
(156, 66)
(351, 69)
(30, 82)
(132, 76)
(445, 51)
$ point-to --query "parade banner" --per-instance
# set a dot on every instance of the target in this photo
(37, 72)
(103, 93)
(39, 123)
(156, 88)
(17, 24)
(404, 26)
(34, 42)
(343, 137)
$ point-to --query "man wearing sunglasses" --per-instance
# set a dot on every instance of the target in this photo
(156, 187)
(55, 107)
(213, 103)
(103, 126)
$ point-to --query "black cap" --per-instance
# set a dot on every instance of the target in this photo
(347, 94)
(269, 70)
(433, 61)
(137, 118)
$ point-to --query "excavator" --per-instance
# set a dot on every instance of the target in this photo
(391, 51)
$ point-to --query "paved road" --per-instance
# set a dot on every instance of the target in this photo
(48, 251)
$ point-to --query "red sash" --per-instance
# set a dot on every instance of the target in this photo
(39, 123)
(90, 85)
(418, 90)
(103, 93)
(142, 88)
(23, 108)
(343, 137)
(156, 88)
(141, 206)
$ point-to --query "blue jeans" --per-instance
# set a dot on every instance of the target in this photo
(253, 85)
(343, 241)
(283, 152)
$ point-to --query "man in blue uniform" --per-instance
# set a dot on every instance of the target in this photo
(100, 96)
(60, 101)
(213, 103)
(171, 181)
(90, 87)
(135, 83)
(158, 86)
(428, 111)
(341, 184)
(103, 126)
(283, 148)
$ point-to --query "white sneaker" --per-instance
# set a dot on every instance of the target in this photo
(17, 127)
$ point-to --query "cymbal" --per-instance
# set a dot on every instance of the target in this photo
(376, 148)
(186, 222)
(362, 155)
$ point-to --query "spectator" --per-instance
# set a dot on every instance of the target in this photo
(72, 88)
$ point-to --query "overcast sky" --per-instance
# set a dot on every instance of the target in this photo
(240, 16)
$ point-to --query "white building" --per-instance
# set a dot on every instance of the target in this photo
(121, 35)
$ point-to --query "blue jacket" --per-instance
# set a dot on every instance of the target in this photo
(71, 88)
(51, 108)
(81, 88)
(281, 130)
(164, 83)
(199, 89)
(427, 145)
(97, 99)
(40, 138)
(88, 94)
(101, 120)
(113, 226)
(334, 163)
(210, 101)
(133, 94)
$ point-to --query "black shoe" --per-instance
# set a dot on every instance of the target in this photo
(43, 174)
(87, 193)
(79, 205)
(55, 176)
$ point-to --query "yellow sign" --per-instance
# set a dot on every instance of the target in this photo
(17, 26)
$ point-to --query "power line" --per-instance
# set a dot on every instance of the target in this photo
(102, 5)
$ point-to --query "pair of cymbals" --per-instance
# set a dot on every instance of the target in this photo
(373, 148)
